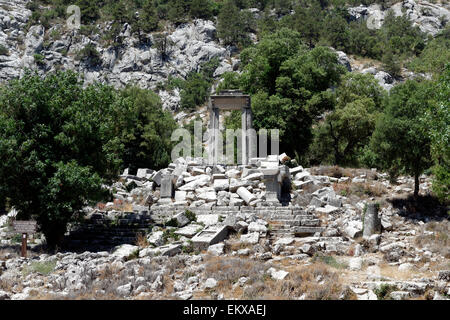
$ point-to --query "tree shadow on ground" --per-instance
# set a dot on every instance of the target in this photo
(422, 208)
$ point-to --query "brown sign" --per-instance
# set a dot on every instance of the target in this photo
(25, 226)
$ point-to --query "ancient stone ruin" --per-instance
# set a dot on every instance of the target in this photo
(210, 188)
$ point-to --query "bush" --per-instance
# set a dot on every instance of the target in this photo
(190, 215)
(38, 58)
(384, 291)
(144, 129)
(434, 57)
(90, 55)
(3, 50)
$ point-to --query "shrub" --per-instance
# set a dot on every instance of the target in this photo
(38, 58)
(329, 260)
(384, 291)
(90, 55)
(190, 215)
(3, 50)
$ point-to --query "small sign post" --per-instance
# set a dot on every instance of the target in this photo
(24, 227)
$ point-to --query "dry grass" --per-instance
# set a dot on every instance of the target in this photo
(141, 240)
(438, 241)
(312, 282)
(316, 281)
(228, 270)
(339, 172)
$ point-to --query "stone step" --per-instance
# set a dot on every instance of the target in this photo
(307, 230)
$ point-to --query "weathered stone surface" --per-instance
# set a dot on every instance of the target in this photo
(210, 283)
(124, 251)
(277, 274)
(216, 249)
(372, 223)
(210, 236)
(190, 230)
(246, 195)
(251, 238)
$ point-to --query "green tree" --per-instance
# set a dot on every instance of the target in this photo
(56, 147)
(201, 9)
(400, 139)
(148, 17)
(231, 25)
(308, 20)
(145, 129)
(289, 85)
(437, 119)
(435, 56)
(335, 31)
(347, 130)
(89, 11)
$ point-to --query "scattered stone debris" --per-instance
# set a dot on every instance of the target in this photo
(193, 242)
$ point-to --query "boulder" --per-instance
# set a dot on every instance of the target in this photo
(124, 251)
(216, 249)
(250, 238)
(210, 283)
(277, 274)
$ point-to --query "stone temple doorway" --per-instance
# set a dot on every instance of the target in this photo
(230, 100)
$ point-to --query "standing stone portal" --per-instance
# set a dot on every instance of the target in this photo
(229, 100)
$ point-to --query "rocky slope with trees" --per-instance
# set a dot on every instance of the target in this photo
(348, 83)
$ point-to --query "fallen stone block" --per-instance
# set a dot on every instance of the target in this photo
(355, 263)
(208, 236)
(209, 196)
(180, 195)
(190, 230)
(296, 170)
(221, 184)
(257, 227)
(156, 238)
(327, 209)
(306, 231)
(208, 219)
(124, 251)
(399, 295)
(246, 195)
(277, 274)
(352, 232)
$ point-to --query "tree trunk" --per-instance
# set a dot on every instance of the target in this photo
(416, 185)
(54, 236)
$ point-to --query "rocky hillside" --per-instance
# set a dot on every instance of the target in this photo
(429, 17)
(147, 64)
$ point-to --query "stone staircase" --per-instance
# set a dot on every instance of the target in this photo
(100, 230)
(298, 224)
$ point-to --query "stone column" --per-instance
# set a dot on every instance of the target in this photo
(244, 137)
(371, 223)
(213, 132)
(247, 137)
(216, 134)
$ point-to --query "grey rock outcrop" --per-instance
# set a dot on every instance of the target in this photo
(430, 18)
